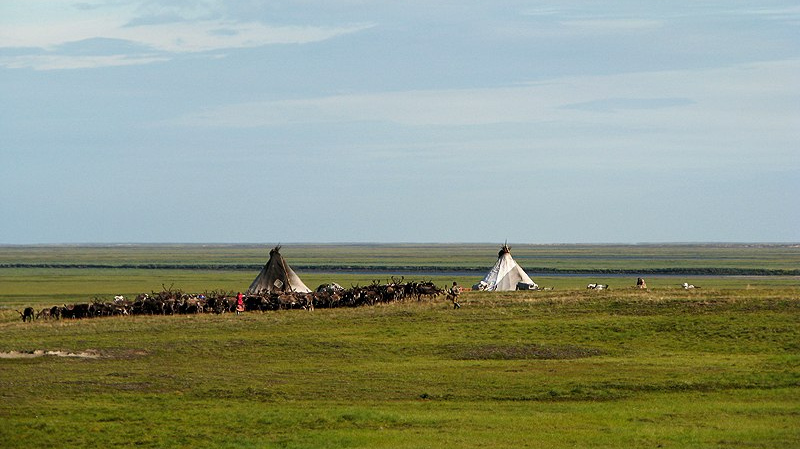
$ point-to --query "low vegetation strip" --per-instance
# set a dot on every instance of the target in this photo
(432, 269)
(523, 352)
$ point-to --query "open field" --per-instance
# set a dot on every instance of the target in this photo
(39, 287)
(714, 367)
(50, 275)
(670, 368)
(534, 258)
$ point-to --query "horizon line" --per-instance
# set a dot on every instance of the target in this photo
(353, 243)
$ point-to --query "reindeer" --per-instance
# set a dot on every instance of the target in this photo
(44, 313)
(427, 289)
(26, 314)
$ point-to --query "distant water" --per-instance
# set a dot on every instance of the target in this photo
(469, 273)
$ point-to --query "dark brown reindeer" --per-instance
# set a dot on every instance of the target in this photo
(26, 314)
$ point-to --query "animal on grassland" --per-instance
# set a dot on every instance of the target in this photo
(26, 314)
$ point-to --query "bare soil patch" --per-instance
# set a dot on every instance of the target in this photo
(88, 354)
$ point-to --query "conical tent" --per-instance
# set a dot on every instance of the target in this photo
(277, 277)
(506, 275)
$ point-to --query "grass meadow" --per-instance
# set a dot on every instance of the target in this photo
(478, 257)
(715, 367)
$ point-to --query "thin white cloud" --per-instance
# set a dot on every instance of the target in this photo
(559, 23)
(612, 25)
(180, 37)
(711, 116)
(543, 11)
(42, 29)
(790, 13)
(745, 87)
(219, 35)
(612, 105)
(62, 62)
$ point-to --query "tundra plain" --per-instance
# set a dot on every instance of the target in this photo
(717, 366)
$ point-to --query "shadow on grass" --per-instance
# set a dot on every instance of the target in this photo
(521, 352)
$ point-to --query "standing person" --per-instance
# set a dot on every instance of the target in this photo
(239, 303)
(455, 290)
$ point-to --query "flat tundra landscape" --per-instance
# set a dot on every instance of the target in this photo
(717, 365)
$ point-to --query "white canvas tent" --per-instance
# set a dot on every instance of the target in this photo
(506, 275)
(277, 277)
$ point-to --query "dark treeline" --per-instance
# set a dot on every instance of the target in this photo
(683, 271)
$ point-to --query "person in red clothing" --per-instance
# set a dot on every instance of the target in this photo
(239, 303)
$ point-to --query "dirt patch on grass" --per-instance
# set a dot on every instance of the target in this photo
(523, 352)
(89, 354)
(123, 354)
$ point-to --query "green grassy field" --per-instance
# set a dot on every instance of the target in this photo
(717, 367)
(40, 287)
(469, 256)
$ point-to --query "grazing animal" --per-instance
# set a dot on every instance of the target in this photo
(26, 314)
(688, 286)
(597, 286)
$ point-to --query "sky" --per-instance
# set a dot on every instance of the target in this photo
(158, 121)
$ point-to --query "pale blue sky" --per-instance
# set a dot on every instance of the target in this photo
(371, 121)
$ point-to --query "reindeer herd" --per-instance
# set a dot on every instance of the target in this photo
(176, 302)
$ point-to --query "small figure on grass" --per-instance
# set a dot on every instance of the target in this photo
(641, 284)
(239, 303)
(455, 290)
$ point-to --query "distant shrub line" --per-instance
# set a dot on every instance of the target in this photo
(697, 271)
